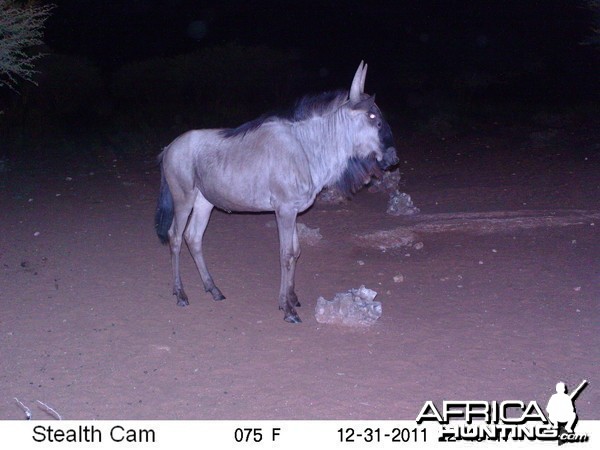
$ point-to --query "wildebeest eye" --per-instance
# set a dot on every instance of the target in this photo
(373, 116)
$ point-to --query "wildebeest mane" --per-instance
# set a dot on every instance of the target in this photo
(303, 109)
(246, 127)
(317, 105)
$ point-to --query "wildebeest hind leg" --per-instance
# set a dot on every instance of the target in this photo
(193, 236)
(182, 213)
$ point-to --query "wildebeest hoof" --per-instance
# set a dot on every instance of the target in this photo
(216, 293)
(292, 318)
(182, 298)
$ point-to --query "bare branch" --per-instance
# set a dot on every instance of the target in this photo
(25, 409)
(594, 38)
(21, 28)
(50, 410)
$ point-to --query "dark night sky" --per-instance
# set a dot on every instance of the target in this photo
(403, 41)
(486, 34)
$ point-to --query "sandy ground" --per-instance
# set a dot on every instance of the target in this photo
(500, 303)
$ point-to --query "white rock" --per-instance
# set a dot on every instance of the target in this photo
(353, 308)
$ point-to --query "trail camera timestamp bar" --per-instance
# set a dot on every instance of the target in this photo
(393, 435)
(256, 434)
(353, 435)
(340, 435)
(217, 435)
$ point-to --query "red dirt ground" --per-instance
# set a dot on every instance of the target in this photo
(88, 324)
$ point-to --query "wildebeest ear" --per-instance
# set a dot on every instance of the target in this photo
(365, 104)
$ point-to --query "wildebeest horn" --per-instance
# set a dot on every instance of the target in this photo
(358, 83)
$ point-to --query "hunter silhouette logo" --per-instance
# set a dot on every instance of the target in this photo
(515, 420)
(561, 410)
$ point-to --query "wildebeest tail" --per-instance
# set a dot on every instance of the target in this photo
(164, 209)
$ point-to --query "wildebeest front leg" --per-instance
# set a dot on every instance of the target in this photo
(289, 251)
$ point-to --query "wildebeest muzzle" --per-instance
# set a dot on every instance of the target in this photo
(390, 156)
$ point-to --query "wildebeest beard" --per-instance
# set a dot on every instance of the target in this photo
(359, 171)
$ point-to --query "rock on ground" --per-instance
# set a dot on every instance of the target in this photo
(353, 308)
(390, 239)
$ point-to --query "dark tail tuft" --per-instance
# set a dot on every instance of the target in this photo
(164, 210)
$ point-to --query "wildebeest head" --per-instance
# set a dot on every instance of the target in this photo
(375, 136)
(374, 149)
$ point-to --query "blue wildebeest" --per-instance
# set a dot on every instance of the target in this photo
(273, 163)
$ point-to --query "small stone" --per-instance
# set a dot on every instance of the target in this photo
(400, 204)
(399, 278)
